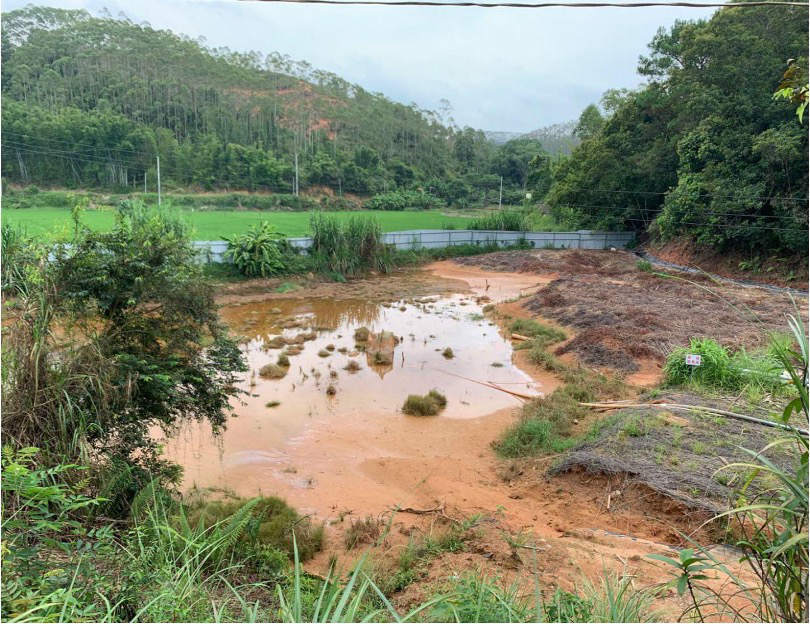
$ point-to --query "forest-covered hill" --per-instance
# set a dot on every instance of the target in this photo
(90, 101)
(703, 149)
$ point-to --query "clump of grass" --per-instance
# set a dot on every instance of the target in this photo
(644, 265)
(348, 247)
(273, 371)
(283, 360)
(365, 531)
(330, 347)
(276, 342)
(497, 364)
(511, 220)
(352, 366)
(448, 353)
(539, 356)
(272, 404)
(324, 353)
(382, 358)
(546, 424)
(755, 373)
(429, 404)
(272, 523)
(361, 334)
(542, 334)
(331, 390)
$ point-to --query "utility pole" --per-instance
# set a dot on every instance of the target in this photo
(295, 187)
(500, 194)
(158, 177)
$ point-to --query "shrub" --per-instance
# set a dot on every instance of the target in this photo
(403, 200)
(644, 265)
(257, 252)
(448, 353)
(140, 344)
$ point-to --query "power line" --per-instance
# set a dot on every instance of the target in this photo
(653, 212)
(11, 143)
(71, 143)
(69, 156)
(621, 192)
(539, 5)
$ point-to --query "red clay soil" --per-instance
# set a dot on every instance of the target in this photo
(621, 315)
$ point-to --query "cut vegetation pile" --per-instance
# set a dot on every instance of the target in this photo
(674, 453)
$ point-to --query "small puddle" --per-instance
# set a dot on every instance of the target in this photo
(260, 438)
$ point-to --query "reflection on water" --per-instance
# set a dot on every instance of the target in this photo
(261, 433)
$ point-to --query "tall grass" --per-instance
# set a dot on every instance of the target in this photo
(511, 220)
(348, 247)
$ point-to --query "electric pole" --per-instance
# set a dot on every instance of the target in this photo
(500, 194)
(158, 177)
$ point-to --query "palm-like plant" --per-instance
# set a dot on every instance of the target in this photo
(257, 252)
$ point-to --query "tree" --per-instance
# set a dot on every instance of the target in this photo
(589, 124)
(703, 150)
(140, 345)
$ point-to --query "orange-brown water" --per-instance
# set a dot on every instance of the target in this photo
(263, 448)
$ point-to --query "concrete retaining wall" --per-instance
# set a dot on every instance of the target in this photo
(213, 251)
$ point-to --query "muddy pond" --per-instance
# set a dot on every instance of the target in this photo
(339, 400)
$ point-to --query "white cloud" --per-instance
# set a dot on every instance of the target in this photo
(502, 69)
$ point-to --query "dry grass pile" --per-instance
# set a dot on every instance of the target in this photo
(365, 531)
(675, 454)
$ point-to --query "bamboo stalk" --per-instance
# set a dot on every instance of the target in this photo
(690, 408)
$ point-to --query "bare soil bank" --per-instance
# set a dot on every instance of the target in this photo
(788, 272)
(626, 319)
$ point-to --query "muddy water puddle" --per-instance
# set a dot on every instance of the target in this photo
(282, 423)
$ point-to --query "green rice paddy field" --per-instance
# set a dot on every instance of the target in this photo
(217, 224)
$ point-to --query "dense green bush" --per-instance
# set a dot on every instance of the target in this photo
(140, 344)
(258, 252)
(403, 200)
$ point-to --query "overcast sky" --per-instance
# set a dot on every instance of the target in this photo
(501, 69)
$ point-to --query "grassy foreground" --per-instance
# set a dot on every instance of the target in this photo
(216, 224)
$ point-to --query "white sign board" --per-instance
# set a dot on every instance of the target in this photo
(693, 360)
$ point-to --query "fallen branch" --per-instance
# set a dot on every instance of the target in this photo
(520, 337)
(691, 408)
(525, 397)
(420, 512)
